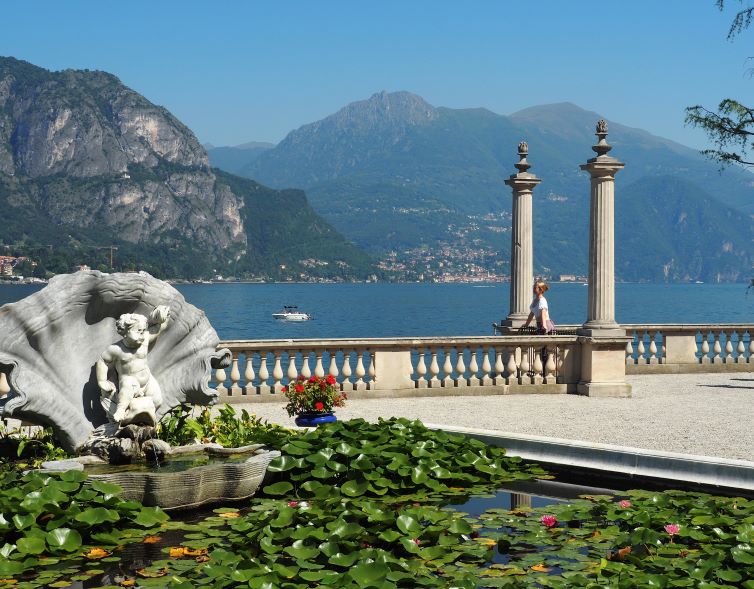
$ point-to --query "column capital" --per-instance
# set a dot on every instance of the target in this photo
(523, 180)
(602, 164)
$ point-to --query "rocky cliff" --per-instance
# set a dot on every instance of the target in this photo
(88, 151)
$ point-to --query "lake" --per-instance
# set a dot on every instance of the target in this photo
(244, 311)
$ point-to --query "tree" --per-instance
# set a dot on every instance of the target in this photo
(731, 127)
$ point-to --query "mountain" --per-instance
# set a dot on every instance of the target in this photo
(430, 179)
(87, 163)
(235, 159)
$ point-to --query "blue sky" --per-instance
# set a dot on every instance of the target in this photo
(252, 71)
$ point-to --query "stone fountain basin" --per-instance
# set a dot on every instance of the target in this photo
(193, 487)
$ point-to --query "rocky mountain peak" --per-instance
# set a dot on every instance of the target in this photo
(83, 123)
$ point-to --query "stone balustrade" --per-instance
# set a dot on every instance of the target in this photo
(677, 348)
(403, 366)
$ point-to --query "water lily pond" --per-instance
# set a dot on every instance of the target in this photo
(360, 505)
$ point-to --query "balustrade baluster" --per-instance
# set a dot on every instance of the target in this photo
(629, 353)
(332, 370)
(248, 374)
(740, 349)
(716, 349)
(421, 370)
(487, 379)
(652, 348)
(750, 359)
(728, 358)
(640, 350)
(292, 372)
(524, 376)
(511, 369)
(460, 380)
(371, 372)
(500, 374)
(447, 369)
(264, 374)
(277, 373)
(235, 376)
(473, 379)
(346, 384)
(704, 359)
(434, 370)
(537, 376)
(306, 372)
(319, 370)
(561, 359)
(550, 366)
(360, 385)
(220, 382)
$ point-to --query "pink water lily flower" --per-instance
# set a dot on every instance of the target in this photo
(625, 504)
(549, 520)
(672, 529)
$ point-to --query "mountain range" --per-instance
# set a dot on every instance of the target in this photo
(88, 165)
(396, 174)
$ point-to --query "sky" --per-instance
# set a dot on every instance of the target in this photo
(238, 71)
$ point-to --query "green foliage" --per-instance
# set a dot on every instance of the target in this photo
(359, 506)
(731, 127)
(602, 542)
(186, 424)
(43, 515)
(394, 458)
(283, 230)
(28, 447)
(365, 544)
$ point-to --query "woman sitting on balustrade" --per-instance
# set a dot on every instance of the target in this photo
(539, 311)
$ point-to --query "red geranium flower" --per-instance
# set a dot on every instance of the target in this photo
(299, 388)
(319, 405)
(330, 379)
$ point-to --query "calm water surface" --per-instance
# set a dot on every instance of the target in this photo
(244, 311)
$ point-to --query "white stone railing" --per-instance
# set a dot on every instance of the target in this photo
(403, 366)
(690, 348)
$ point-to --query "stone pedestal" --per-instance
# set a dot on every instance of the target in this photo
(601, 298)
(522, 241)
(603, 367)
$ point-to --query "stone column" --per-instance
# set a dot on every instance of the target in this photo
(522, 242)
(601, 303)
(603, 342)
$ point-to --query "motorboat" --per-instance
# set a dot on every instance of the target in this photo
(291, 313)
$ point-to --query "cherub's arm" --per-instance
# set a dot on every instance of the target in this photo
(158, 321)
(101, 368)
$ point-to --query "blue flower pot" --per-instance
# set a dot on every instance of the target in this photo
(314, 419)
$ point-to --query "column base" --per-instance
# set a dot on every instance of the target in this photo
(604, 389)
(514, 321)
(601, 329)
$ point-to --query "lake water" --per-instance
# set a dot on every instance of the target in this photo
(244, 311)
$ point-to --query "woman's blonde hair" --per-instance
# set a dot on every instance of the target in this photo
(541, 285)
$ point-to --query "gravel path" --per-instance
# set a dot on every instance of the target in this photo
(702, 414)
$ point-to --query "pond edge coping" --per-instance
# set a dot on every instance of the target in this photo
(640, 462)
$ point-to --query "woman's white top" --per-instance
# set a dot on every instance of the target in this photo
(536, 307)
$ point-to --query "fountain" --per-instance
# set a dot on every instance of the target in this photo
(103, 396)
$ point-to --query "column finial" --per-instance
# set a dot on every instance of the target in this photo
(602, 146)
(523, 151)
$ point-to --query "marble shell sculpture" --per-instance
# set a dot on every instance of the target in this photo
(51, 340)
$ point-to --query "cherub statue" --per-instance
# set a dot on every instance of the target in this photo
(129, 359)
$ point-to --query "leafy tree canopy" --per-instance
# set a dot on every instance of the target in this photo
(731, 127)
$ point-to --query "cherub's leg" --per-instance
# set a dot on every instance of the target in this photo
(127, 389)
(153, 390)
